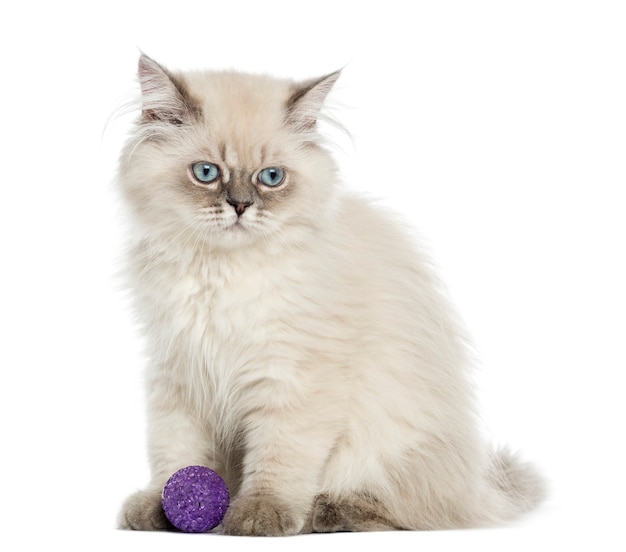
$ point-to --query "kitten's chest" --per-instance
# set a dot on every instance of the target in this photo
(224, 302)
(233, 314)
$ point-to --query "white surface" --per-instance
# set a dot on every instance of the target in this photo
(497, 129)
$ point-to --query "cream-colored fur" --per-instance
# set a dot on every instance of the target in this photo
(305, 348)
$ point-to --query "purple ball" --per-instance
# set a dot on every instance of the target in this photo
(195, 499)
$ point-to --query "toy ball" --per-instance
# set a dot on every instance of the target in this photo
(195, 499)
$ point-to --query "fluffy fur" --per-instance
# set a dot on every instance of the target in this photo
(299, 341)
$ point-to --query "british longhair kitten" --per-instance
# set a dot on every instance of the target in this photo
(299, 343)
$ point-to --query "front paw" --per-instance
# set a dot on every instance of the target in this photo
(143, 511)
(261, 516)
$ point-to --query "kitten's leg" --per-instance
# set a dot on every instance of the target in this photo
(176, 440)
(353, 513)
(285, 453)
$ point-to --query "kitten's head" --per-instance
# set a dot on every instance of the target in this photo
(226, 158)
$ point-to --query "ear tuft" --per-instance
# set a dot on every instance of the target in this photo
(164, 97)
(306, 101)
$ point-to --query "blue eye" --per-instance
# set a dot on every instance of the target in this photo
(272, 176)
(205, 172)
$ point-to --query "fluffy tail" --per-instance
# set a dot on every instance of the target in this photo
(520, 485)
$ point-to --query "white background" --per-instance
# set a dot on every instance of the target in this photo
(497, 129)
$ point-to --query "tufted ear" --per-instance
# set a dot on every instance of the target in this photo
(306, 101)
(164, 97)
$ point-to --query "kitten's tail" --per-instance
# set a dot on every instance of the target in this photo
(518, 483)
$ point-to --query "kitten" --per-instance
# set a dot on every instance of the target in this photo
(299, 342)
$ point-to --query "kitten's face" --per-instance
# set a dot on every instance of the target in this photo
(226, 158)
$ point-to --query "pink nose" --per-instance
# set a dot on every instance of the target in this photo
(240, 207)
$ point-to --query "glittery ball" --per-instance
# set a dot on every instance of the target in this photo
(195, 499)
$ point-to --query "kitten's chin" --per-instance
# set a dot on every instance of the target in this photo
(234, 236)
